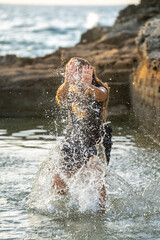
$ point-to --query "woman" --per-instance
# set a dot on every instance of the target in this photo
(85, 97)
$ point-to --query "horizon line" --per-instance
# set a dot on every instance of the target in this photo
(65, 5)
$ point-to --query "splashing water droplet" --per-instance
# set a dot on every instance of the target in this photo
(92, 20)
(83, 192)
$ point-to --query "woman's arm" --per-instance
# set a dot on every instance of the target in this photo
(69, 79)
(99, 93)
(62, 91)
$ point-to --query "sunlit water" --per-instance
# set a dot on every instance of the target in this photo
(31, 31)
(132, 184)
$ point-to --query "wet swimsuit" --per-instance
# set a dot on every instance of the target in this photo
(85, 130)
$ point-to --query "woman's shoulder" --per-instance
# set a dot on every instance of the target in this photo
(99, 83)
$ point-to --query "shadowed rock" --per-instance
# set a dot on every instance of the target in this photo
(148, 39)
(146, 79)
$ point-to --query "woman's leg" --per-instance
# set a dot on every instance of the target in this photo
(102, 199)
(102, 189)
(59, 185)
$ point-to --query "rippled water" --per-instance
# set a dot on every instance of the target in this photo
(32, 31)
(132, 183)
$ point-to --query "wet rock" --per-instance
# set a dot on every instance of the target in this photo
(94, 34)
(27, 92)
(8, 59)
(148, 40)
(117, 37)
(146, 98)
(146, 79)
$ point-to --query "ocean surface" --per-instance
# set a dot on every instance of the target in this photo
(31, 31)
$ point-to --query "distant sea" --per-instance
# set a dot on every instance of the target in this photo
(31, 31)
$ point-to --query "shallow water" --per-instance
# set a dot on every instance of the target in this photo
(132, 184)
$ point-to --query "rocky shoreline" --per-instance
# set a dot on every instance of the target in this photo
(119, 53)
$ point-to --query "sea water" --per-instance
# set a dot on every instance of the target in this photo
(132, 183)
(31, 31)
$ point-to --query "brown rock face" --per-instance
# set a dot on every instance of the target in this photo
(146, 79)
(94, 34)
(146, 98)
(148, 40)
(27, 86)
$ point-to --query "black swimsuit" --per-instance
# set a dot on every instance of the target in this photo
(84, 132)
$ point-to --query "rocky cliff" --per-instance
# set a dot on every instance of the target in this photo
(28, 86)
(146, 79)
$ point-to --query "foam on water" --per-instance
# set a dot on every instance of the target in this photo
(92, 20)
(83, 192)
(152, 194)
(83, 195)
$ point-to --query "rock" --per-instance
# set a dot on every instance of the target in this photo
(8, 59)
(146, 79)
(150, 3)
(128, 13)
(135, 16)
(146, 98)
(148, 40)
(94, 34)
(129, 21)
(117, 37)
(27, 92)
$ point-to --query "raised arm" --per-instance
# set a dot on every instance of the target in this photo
(99, 93)
(62, 92)
(69, 79)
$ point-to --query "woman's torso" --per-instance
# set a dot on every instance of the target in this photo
(84, 129)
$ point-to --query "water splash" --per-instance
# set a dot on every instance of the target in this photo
(152, 194)
(83, 192)
(122, 199)
(92, 20)
(83, 196)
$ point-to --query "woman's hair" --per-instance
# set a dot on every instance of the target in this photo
(95, 81)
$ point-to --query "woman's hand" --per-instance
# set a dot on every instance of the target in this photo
(70, 77)
(71, 70)
(87, 74)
